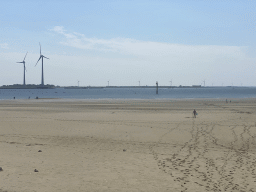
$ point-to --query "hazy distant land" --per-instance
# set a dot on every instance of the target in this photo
(50, 86)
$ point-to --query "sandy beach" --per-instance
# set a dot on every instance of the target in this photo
(127, 145)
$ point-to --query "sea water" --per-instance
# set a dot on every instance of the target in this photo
(130, 93)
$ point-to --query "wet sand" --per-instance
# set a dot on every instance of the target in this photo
(127, 145)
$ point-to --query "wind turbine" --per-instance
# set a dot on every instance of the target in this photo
(42, 57)
(204, 82)
(171, 82)
(24, 82)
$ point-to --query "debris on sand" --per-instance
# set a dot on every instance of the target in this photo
(36, 170)
(1, 169)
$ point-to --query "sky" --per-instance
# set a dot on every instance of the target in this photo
(129, 42)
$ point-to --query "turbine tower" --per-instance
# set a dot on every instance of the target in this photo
(24, 82)
(42, 57)
(171, 82)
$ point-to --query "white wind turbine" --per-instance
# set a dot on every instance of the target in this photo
(24, 81)
(204, 82)
(42, 57)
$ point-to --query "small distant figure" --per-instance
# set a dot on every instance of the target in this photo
(230, 101)
(28, 97)
(195, 113)
(226, 101)
(13, 97)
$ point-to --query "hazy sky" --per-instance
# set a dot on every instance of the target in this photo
(126, 41)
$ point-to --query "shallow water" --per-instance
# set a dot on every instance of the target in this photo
(131, 93)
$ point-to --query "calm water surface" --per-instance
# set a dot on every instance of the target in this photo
(130, 93)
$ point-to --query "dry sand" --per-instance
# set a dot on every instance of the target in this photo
(127, 145)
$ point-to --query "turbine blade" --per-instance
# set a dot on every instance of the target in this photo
(46, 57)
(19, 62)
(25, 56)
(38, 60)
(40, 48)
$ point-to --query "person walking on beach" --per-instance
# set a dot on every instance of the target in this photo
(194, 112)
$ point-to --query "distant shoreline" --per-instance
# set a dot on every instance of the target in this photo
(103, 87)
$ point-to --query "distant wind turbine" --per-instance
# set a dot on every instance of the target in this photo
(24, 82)
(42, 57)
(204, 82)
